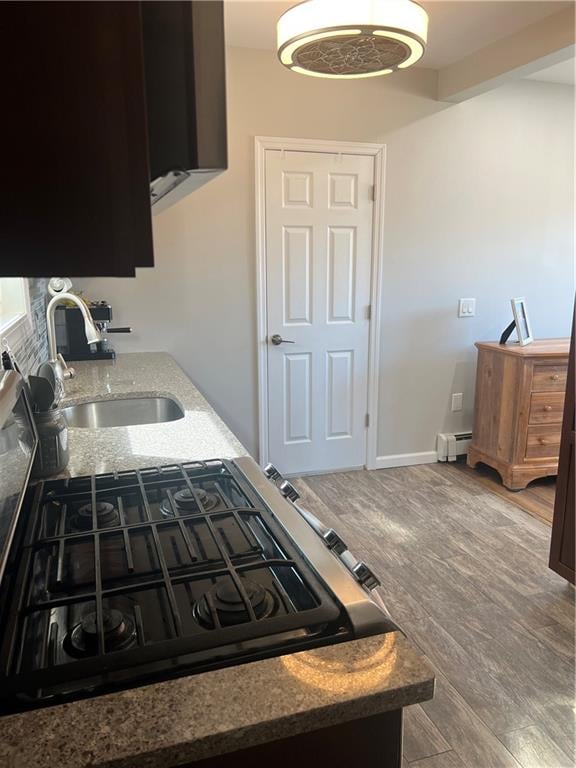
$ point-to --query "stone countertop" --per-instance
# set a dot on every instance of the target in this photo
(191, 718)
(201, 434)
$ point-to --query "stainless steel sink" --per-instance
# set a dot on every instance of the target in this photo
(123, 412)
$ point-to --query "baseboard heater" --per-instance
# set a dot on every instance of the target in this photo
(451, 445)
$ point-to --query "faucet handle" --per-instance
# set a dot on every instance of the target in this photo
(67, 372)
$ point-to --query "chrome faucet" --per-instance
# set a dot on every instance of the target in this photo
(57, 362)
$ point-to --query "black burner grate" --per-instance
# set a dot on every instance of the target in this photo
(174, 562)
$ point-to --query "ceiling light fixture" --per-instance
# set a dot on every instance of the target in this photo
(352, 38)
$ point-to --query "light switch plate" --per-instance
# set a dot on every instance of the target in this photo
(466, 307)
(457, 401)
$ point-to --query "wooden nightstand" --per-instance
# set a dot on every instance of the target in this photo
(518, 409)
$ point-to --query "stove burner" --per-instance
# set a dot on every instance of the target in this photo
(119, 633)
(106, 515)
(230, 607)
(185, 501)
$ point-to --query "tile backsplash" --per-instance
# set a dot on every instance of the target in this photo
(32, 348)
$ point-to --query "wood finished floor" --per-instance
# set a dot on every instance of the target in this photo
(465, 574)
(537, 498)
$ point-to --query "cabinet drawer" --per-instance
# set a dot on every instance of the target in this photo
(543, 442)
(546, 407)
(549, 378)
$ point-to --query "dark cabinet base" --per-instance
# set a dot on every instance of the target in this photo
(562, 547)
(373, 742)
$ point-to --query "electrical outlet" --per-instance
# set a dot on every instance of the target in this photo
(457, 401)
(466, 307)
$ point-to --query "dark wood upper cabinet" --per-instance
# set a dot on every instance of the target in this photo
(75, 192)
(98, 99)
(562, 544)
(185, 81)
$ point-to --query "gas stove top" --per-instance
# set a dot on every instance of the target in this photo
(118, 580)
(131, 573)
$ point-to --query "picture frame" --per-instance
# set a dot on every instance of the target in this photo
(522, 322)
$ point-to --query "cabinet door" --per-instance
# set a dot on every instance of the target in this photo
(185, 81)
(75, 183)
(562, 544)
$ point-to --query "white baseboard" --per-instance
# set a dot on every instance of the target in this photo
(405, 460)
(312, 472)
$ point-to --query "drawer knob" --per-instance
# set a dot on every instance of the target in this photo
(555, 377)
(547, 407)
(543, 441)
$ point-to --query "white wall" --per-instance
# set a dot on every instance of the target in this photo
(478, 203)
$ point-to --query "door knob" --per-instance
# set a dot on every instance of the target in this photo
(277, 340)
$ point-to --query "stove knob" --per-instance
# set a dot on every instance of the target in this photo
(334, 542)
(288, 490)
(271, 472)
(365, 575)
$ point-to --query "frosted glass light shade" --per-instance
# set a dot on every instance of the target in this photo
(352, 38)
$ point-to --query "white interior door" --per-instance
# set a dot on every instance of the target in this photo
(319, 219)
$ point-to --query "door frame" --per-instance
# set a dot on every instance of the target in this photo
(378, 152)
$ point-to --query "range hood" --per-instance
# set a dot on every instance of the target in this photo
(185, 81)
